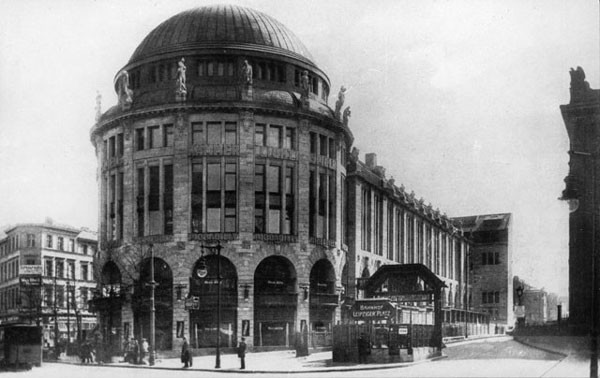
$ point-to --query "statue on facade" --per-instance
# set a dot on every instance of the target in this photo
(580, 88)
(340, 102)
(124, 93)
(98, 105)
(578, 77)
(355, 152)
(181, 90)
(305, 84)
(247, 72)
(346, 116)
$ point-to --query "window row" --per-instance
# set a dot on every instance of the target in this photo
(114, 146)
(154, 199)
(277, 136)
(322, 203)
(155, 136)
(62, 243)
(214, 133)
(10, 244)
(488, 297)
(409, 239)
(322, 145)
(9, 270)
(58, 295)
(490, 258)
(274, 197)
(60, 268)
(10, 298)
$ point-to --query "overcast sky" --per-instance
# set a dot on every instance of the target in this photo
(459, 99)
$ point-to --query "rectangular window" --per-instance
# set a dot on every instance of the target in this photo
(259, 198)
(197, 198)
(60, 296)
(274, 189)
(154, 140)
(60, 269)
(71, 245)
(111, 146)
(168, 199)
(49, 243)
(213, 132)
(322, 205)
(274, 137)
(230, 133)
(154, 216)
(259, 134)
(312, 205)
(210, 68)
(344, 212)
(120, 145)
(230, 197)
(313, 143)
(71, 269)
(213, 197)
(201, 68)
(323, 145)
(198, 136)
(290, 138)
(139, 139)
(61, 243)
(48, 268)
(331, 206)
(141, 200)
(168, 136)
(332, 148)
(30, 240)
(390, 231)
(288, 222)
(410, 233)
(378, 225)
(84, 271)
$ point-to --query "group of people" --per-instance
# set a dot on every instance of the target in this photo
(187, 360)
(135, 353)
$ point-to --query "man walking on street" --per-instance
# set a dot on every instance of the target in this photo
(185, 352)
(242, 354)
(143, 351)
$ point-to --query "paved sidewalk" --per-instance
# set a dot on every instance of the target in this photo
(576, 360)
(278, 362)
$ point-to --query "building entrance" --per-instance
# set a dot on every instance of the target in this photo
(203, 287)
(163, 303)
(275, 302)
(323, 302)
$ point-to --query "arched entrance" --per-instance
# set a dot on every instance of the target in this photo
(203, 320)
(275, 302)
(109, 306)
(323, 301)
(163, 303)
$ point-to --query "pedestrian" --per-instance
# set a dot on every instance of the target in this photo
(143, 351)
(136, 352)
(185, 350)
(242, 353)
(362, 348)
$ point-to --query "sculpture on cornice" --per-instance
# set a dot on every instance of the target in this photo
(98, 105)
(123, 92)
(580, 88)
(304, 84)
(181, 91)
(340, 103)
(354, 154)
(247, 72)
(346, 116)
(578, 78)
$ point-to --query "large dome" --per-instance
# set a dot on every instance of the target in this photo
(221, 26)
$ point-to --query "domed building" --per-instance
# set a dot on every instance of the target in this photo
(224, 161)
(222, 147)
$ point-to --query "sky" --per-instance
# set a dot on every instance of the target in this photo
(459, 99)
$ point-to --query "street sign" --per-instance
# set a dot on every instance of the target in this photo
(372, 310)
(402, 330)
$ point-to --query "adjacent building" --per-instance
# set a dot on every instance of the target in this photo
(47, 278)
(582, 121)
(490, 264)
(225, 154)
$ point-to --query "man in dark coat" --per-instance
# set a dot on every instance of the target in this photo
(242, 353)
(185, 353)
(363, 349)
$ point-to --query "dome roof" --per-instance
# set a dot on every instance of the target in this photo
(221, 26)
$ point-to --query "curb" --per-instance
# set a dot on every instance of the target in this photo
(547, 350)
(323, 370)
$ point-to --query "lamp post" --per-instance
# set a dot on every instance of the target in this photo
(218, 248)
(152, 284)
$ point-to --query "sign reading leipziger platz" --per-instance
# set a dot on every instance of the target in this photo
(372, 310)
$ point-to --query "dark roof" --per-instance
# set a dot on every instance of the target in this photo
(221, 26)
(399, 270)
(488, 222)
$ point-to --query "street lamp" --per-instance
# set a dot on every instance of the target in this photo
(218, 248)
(152, 284)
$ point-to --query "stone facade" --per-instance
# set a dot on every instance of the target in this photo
(582, 121)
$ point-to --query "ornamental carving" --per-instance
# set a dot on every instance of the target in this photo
(180, 82)
(346, 116)
(124, 93)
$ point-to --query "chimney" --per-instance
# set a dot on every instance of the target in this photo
(371, 160)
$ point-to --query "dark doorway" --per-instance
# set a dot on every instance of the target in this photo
(203, 332)
(163, 304)
(275, 302)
